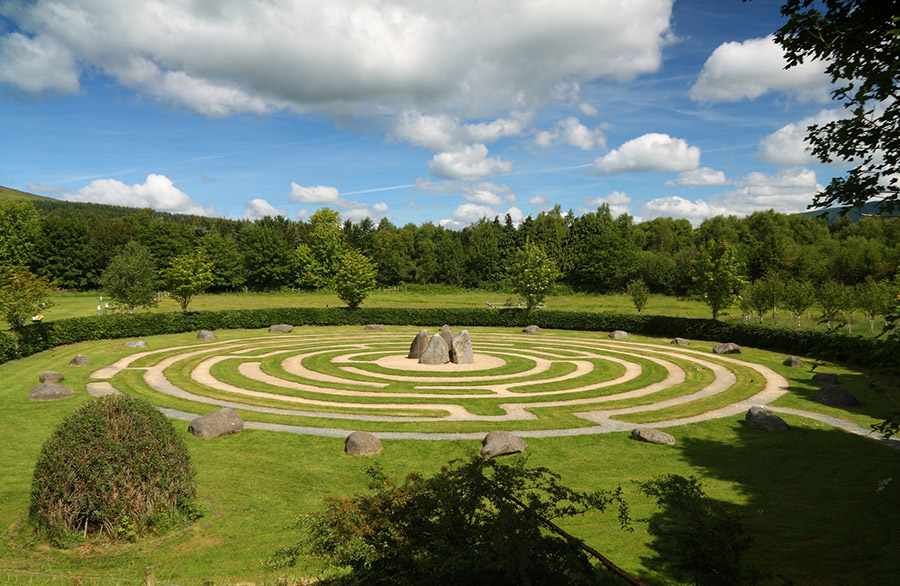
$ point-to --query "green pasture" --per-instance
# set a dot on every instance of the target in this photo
(822, 505)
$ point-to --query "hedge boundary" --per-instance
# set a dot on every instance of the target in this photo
(34, 338)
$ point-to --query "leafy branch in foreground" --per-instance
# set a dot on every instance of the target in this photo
(477, 521)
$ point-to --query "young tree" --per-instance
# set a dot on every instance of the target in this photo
(316, 262)
(717, 275)
(874, 298)
(355, 278)
(798, 297)
(765, 294)
(833, 299)
(639, 293)
(22, 294)
(532, 274)
(130, 278)
(188, 275)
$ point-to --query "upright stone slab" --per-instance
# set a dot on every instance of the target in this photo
(222, 422)
(362, 443)
(50, 377)
(836, 396)
(502, 443)
(281, 328)
(447, 334)
(50, 392)
(618, 334)
(652, 436)
(532, 329)
(461, 349)
(437, 352)
(762, 418)
(793, 362)
(80, 360)
(206, 335)
(419, 343)
(727, 348)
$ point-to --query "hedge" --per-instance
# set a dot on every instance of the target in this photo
(831, 346)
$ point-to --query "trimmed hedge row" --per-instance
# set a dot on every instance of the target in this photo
(840, 347)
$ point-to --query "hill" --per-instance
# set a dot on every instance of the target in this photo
(9, 193)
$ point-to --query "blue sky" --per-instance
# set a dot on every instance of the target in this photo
(418, 111)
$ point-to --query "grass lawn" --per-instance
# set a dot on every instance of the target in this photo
(822, 505)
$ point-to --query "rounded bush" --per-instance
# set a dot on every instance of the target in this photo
(114, 466)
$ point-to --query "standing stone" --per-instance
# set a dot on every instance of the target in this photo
(793, 362)
(80, 360)
(532, 329)
(825, 378)
(681, 342)
(362, 443)
(419, 343)
(51, 377)
(375, 327)
(50, 392)
(281, 328)
(437, 352)
(136, 344)
(447, 334)
(836, 396)
(618, 334)
(727, 348)
(762, 418)
(652, 436)
(461, 349)
(222, 422)
(502, 443)
(206, 335)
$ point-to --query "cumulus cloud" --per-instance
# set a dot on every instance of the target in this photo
(259, 208)
(469, 213)
(314, 194)
(650, 152)
(157, 192)
(573, 133)
(678, 207)
(617, 201)
(788, 191)
(747, 70)
(482, 193)
(702, 177)
(787, 145)
(538, 201)
(470, 163)
(444, 133)
(588, 109)
(331, 196)
(338, 56)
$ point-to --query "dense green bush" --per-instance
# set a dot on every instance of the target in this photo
(115, 466)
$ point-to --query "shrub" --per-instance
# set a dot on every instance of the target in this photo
(115, 466)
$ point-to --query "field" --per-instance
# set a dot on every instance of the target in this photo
(812, 489)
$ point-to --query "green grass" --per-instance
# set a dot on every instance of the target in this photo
(803, 492)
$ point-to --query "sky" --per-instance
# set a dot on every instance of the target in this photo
(442, 111)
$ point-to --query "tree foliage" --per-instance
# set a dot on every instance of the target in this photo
(639, 293)
(532, 275)
(187, 276)
(717, 275)
(318, 260)
(130, 280)
(477, 521)
(23, 294)
(19, 230)
(354, 279)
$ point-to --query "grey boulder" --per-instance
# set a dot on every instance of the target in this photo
(727, 348)
(50, 392)
(532, 329)
(222, 422)
(825, 378)
(419, 344)
(793, 362)
(437, 352)
(618, 334)
(375, 327)
(681, 342)
(502, 443)
(461, 349)
(281, 328)
(836, 396)
(652, 436)
(447, 334)
(136, 344)
(51, 377)
(762, 418)
(362, 443)
(80, 360)
(206, 335)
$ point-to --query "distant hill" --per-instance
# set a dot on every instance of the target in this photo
(852, 214)
(9, 193)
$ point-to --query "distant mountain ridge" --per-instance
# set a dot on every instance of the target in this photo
(853, 214)
(10, 193)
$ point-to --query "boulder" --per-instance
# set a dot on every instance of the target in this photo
(825, 378)
(362, 443)
(793, 362)
(447, 334)
(461, 349)
(80, 360)
(419, 344)
(222, 422)
(375, 327)
(51, 377)
(836, 396)
(727, 348)
(502, 443)
(618, 334)
(681, 342)
(281, 328)
(206, 335)
(762, 418)
(652, 436)
(532, 329)
(437, 352)
(50, 392)
(136, 344)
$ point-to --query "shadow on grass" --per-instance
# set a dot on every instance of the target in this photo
(822, 506)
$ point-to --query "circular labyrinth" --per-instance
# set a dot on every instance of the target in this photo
(330, 384)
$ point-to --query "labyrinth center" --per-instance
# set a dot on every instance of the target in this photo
(329, 384)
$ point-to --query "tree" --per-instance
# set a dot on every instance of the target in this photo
(765, 294)
(317, 261)
(227, 262)
(267, 256)
(798, 297)
(355, 278)
(22, 294)
(532, 274)
(716, 274)
(130, 278)
(639, 293)
(20, 227)
(67, 251)
(858, 41)
(477, 521)
(188, 275)
(874, 298)
(833, 299)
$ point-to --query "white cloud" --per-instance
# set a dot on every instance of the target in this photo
(331, 196)
(539, 201)
(678, 207)
(259, 208)
(788, 191)
(787, 145)
(702, 177)
(573, 133)
(650, 152)
(470, 163)
(588, 109)
(469, 213)
(314, 194)
(618, 202)
(738, 71)
(481, 193)
(341, 56)
(157, 192)
(444, 133)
